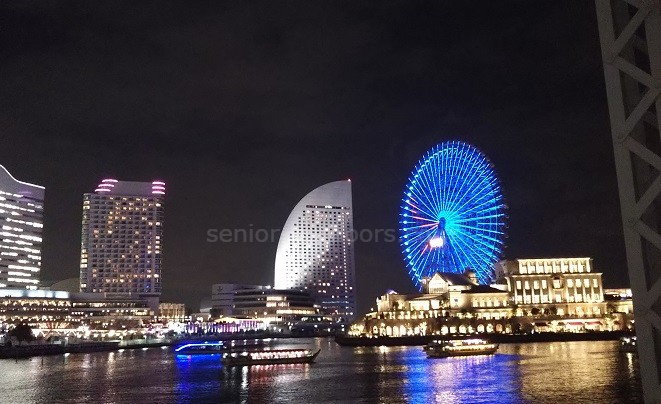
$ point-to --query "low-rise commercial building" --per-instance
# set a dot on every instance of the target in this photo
(175, 312)
(66, 312)
(261, 302)
(556, 295)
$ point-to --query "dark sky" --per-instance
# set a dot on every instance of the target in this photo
(244, 107)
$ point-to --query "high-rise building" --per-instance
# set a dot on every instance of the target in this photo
(315, 250)
(21, 226)
(122, 238)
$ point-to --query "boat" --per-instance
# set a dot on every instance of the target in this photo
(628, 344)
(460, 347)
(268, 357)
(197, 348)
(215, 347)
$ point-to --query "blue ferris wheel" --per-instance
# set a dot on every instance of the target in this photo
(452, 215)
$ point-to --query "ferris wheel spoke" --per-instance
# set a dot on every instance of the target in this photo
(420, 263)
(488, 215)
(490, 238)
(479, 253)
(417, 210)
(479, 203)
(414, 239)
(418, 207)
(457, 166)
(432, 222)
(463, 258)
(423, 181)
(423, 234)
(469, 193)
(425, 174)
(463, 178)
(486, 229)
(422, 199)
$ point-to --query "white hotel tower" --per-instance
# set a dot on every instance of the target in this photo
(122, 238)
(315, 250)
(21, 221)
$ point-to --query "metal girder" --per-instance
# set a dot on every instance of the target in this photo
(630, 35)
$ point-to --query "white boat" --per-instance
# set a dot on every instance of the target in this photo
(460, 347)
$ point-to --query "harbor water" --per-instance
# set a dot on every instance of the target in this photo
(580, 372)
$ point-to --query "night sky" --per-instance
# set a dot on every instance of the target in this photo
(244, 107)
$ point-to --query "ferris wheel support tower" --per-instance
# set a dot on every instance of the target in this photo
(630, 35)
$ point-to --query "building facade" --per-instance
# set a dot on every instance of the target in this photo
(568, 285)
(172, 311)
(64, 311)
(274, 305)
(222, 297)
(316, 250)
(122, 238)
(449, 304)
(540, 295)
(21, 227)
(262, 302)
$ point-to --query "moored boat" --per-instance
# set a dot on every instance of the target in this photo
(268, 357)
(461, 347)
(628, 344)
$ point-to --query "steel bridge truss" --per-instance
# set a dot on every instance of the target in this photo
(630, 35)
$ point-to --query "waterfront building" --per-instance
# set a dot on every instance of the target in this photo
(66, 312)
(108, 311)
(274, 305)
(262, 302)
(172, 311)
(316, 251)
(449, 303)
(619, 305)
(21, 227)
(122, 238)
(36, 307)
(566, 286)
(542, 295)
(619, 300)
(222, 297)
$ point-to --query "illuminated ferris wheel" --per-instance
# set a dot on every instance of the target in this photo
(453, 214)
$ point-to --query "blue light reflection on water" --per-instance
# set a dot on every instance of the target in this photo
(198, 377)
(576, 372)
(492, 378)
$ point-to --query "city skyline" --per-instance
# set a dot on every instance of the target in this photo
(393, 201)
(239, 136)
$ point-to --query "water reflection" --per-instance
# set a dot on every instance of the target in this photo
(578, 371)
(197, 377)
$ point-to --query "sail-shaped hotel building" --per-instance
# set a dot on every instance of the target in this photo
(316, 251)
